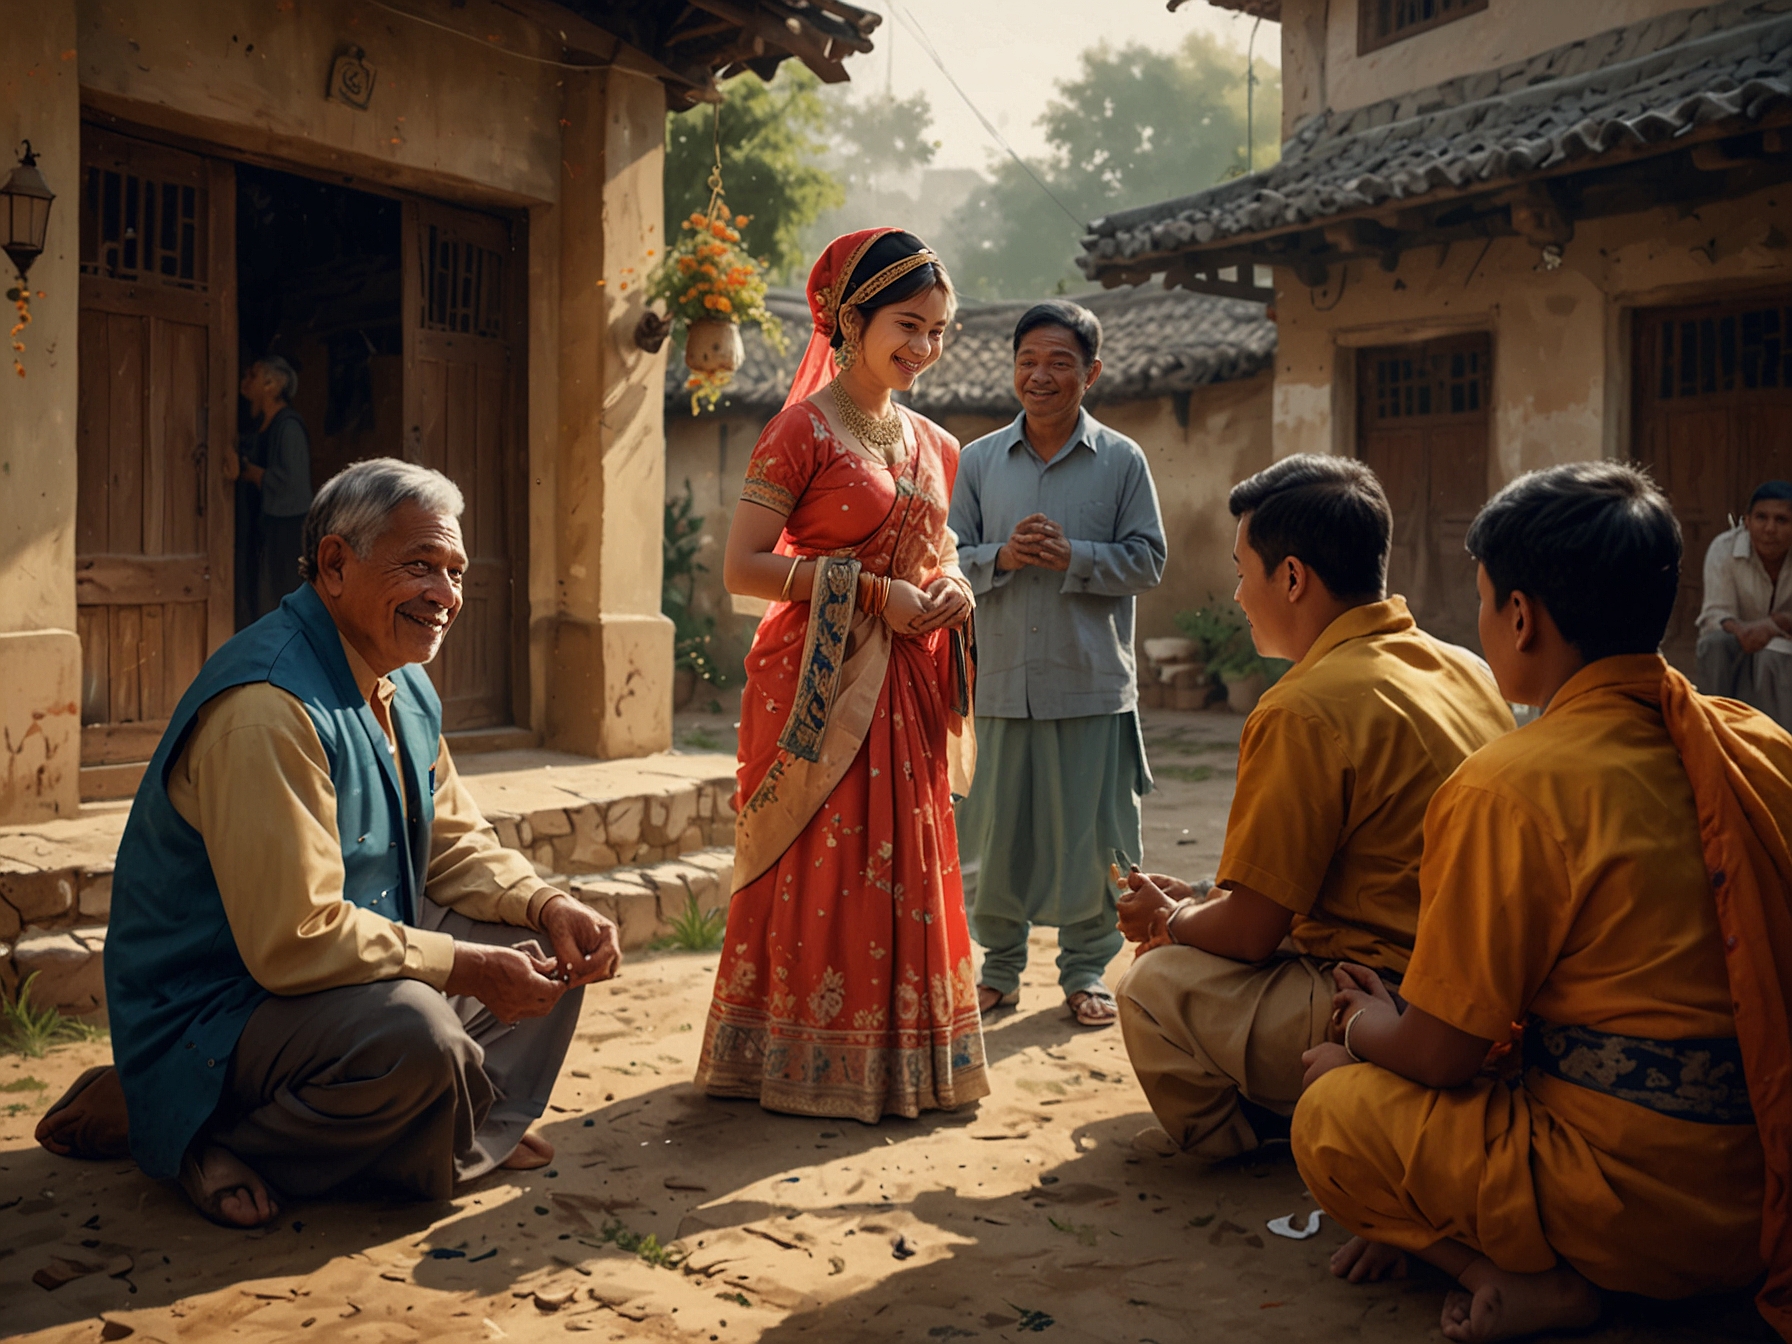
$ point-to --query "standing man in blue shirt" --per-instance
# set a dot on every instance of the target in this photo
(1058, 531)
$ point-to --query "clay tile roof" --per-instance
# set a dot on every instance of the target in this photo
(1155, 342)
(1637, 89)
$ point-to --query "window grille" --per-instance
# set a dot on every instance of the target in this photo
(463, 288)
(1383, 22)
(1748, 351)
(136, 228)
(1415, 382)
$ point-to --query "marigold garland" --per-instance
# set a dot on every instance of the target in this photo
(21, 299)
(708, 276)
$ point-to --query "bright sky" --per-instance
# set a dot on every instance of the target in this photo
(1008, 55)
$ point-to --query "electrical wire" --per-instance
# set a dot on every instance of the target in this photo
(488, 46)
(919, 34)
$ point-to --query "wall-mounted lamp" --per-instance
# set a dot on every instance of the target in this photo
(25, 212)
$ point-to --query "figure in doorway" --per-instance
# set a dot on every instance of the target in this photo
(1745, 626)
(1058, 531)
(273, 479)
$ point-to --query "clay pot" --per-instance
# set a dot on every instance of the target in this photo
(713, 347)
(1243, 693)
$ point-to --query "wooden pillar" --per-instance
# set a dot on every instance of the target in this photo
(40, 655)
(609, 677)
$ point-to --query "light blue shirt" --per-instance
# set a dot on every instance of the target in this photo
(1056, 645)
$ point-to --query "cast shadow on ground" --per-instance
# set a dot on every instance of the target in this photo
(505, 1226)
(1111, 1246)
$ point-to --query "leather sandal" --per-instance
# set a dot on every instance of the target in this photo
(1094, 1006)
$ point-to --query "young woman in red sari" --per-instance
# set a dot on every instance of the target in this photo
(845, 986)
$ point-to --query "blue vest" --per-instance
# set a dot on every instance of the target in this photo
(177, 991)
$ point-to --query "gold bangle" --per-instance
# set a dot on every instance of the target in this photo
(784, 595)
(1347, 1026)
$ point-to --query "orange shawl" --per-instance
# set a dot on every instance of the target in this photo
(1745, 806)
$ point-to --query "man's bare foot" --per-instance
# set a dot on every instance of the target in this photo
(1499, 1305)
(989, 998)
(1362, 1261)
(532, 1152)
(226, 1189)
(89, 1120)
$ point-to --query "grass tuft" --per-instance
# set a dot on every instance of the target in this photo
(29, 1030)
(695, 930)
(647, 1245)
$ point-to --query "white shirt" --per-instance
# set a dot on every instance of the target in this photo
(1737, 587)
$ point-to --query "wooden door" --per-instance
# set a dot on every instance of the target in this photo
(461, 279)
(1422, 425)
(1713, 420)
(154, 528)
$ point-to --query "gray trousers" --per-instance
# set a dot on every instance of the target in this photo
(1762, 679)
(392, 1084)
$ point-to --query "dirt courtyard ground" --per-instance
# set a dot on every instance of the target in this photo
(1027, 1216)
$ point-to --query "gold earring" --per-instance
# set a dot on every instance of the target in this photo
(845, 355)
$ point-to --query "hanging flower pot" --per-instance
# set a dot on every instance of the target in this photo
(710, 285)
(712, 345)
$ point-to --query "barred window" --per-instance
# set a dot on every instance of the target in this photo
(1383, 22)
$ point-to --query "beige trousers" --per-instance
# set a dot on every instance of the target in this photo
(1202, 1029)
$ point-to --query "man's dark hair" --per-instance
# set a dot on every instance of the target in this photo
(1595, 543)
(1330, 513)
(1073, 317)
(1771, 490)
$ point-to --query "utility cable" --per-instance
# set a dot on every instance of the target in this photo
(914, 27)
(489, 46)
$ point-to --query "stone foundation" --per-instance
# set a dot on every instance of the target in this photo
(635, 840)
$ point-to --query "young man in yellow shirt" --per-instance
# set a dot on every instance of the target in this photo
(1335, 767)
(1613, 876)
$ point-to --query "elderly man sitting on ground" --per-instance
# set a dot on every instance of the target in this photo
(319, 968)
(1745, 624)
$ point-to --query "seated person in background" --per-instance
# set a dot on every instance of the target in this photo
(1745, 626)
(1320, 865)
(319, 970)
(1614, 876)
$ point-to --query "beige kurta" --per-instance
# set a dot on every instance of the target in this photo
(254, 780)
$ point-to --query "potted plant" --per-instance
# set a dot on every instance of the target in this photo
(710, 285)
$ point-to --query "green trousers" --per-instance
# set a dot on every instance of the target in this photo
(1052, 801)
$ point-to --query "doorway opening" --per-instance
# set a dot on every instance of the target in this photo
(319, 284)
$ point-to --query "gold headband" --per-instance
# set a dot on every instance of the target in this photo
(889, 276)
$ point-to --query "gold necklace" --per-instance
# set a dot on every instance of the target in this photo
(884, 435)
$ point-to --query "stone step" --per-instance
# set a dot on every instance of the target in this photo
(634, 838)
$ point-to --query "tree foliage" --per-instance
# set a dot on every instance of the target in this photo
(1135, 126)
(773, 137)
(878, 144)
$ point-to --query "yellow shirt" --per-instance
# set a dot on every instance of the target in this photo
(1563, 874)
(253, 779)
(1336, 766)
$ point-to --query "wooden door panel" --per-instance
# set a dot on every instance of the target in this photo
(152, 558)
(459, 412)
(1422, 427)
(1713, 420)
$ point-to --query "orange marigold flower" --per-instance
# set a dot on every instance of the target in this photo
(722, 305)
(740, 221)
(719, 230)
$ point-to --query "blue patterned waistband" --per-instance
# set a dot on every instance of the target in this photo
(1698, 1078)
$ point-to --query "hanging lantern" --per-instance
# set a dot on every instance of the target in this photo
(25, 212)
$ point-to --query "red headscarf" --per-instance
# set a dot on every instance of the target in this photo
(827, 292)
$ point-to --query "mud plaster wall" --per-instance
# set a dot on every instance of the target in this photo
(1195, 460)
(1321, 68)
(1561, 377)
(252, 74)
(40, 656)
(711, 452)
